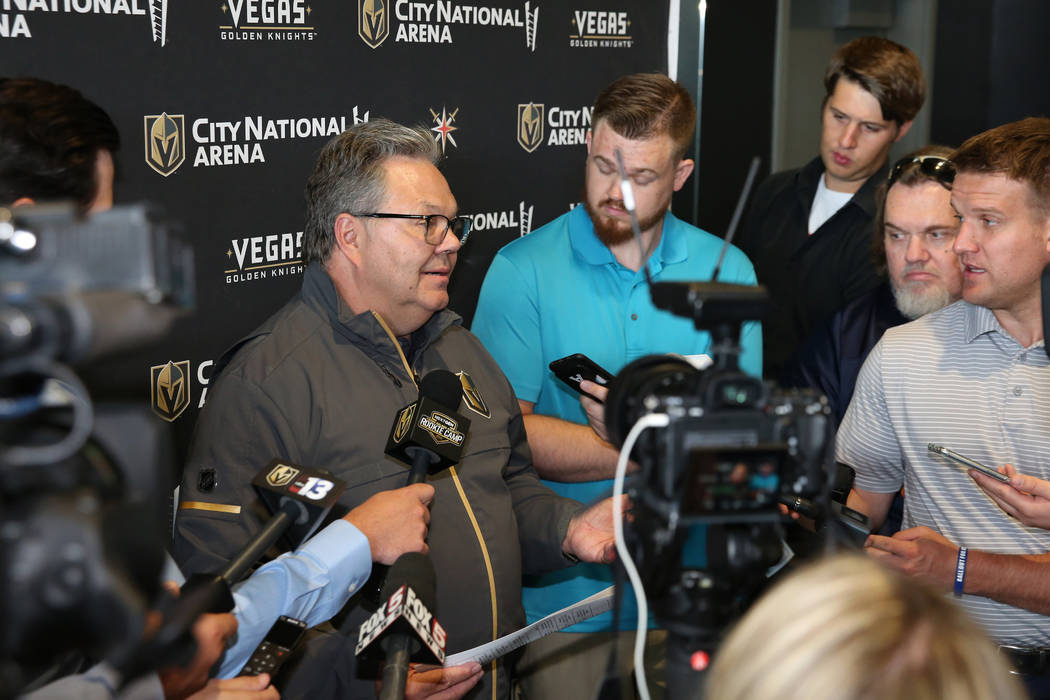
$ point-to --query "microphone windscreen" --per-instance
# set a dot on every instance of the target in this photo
(417, 572)
(442, 387)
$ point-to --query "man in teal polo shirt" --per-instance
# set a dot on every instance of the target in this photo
(577, 285)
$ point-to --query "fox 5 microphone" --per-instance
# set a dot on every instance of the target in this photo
(428, 435)
(404, 627)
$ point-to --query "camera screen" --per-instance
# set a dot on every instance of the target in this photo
(725, 482)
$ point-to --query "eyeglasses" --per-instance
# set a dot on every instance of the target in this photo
(940, 169)
(437, 225)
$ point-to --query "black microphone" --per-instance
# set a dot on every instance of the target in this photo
(428, 434)
(404, 626)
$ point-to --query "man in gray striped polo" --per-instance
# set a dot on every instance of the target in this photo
(972, 377)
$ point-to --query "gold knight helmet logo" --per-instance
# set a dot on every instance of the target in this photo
(530, 126)
(404, 422)
(281, 475)
(169, 389)
(165, 142)
(373, 21)
(472, 395)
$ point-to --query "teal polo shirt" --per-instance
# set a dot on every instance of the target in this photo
(558, 291)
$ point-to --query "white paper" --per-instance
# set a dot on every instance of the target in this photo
(577, 612)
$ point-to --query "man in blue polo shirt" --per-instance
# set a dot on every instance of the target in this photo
(577, 285)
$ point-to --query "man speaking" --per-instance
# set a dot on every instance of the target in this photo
(322, 382)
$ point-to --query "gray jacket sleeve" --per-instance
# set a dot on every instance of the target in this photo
(240, 430)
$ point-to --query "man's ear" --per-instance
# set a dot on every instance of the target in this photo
(902, 130)
(682, 172)
(347, 230)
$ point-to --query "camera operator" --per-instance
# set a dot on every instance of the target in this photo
(973, 377)
(55, 145)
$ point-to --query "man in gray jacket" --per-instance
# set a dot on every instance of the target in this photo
(321, 382)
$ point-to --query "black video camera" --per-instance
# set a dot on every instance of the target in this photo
(81, 533)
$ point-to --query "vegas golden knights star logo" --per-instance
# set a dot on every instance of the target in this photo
(169, 389)
(404, 422)
(165, 142)
(530, 126)
(472, 396)
(373, 21)
(281, 475)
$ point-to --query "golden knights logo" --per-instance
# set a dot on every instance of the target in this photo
(281, 475)
(169, 389)
(472, 396)
(373, 21)
(165, 142)
(530, 126)
(404, 423)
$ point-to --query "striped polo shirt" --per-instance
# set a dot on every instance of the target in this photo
(956, 378)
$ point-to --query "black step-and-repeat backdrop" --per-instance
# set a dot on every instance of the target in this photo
(223, 105)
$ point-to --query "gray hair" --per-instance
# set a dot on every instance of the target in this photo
(348, 176)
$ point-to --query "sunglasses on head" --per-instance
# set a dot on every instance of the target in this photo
(940, 169)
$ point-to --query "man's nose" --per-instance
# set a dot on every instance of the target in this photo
(964, 240)
(849, 136)
(916, 250)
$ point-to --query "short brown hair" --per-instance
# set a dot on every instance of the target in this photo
(644, 105)
(911, 176)
(1020, 150)
(889, 71)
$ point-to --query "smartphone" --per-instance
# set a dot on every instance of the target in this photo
(275, 648)
(966, 461)
(575, 368)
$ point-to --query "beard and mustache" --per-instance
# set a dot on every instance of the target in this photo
(611, 231)
(916, 300)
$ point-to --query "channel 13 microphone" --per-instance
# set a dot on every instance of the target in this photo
(299, 498)
(404, 628)
(428, 434)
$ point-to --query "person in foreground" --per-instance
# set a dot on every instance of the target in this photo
(322, 382)
(847, 628)
(974, 378)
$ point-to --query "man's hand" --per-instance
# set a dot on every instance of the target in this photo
(595, 410)
(919, 552)
(240, 688)
(439, 683)
(1025, 498)
(590, 534)
(395, 521)
(211, 633)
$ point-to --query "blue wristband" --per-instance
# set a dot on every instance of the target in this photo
(960, 571)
